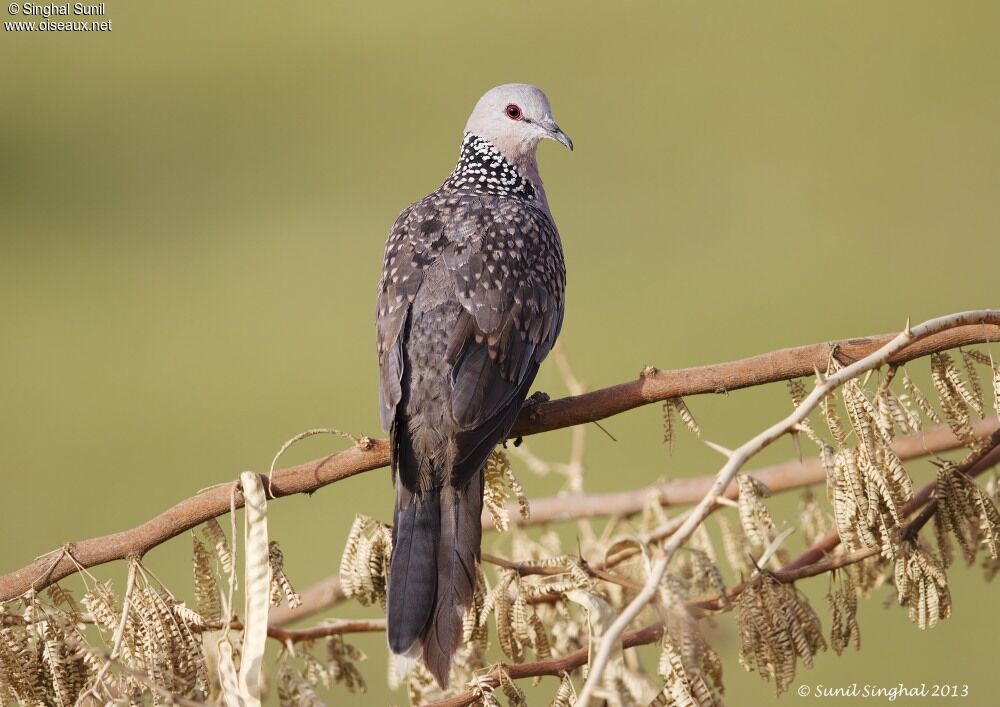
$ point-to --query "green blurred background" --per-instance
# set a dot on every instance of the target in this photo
(194, 207)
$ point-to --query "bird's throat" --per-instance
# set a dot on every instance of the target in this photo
(483, 169)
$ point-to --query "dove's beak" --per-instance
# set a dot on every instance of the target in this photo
(563, 138)
(553, 131)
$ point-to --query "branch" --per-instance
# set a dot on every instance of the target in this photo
(652, 386)
(675, 492)
(890, 351)
(325, 593)
(186, 515)
(328, 628)
(655, 386)
(683, 492)
(530, 568)
(552, 666)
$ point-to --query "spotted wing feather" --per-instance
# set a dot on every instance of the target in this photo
(413, 244)
(511, 290)
(509, 276)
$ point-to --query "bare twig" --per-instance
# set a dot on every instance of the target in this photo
(368, 454)
(527, 568)
(331, 627)
(553, 666)
(327, 628)
(315, 598)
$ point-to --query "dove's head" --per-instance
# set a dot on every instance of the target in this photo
(515, 117)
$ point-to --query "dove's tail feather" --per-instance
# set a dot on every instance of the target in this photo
(457, 554)
(412, 572)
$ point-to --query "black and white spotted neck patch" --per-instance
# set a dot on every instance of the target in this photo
(481, 169)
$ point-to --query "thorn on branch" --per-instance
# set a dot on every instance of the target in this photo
(724, 451)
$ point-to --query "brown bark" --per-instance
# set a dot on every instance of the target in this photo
(654, 385)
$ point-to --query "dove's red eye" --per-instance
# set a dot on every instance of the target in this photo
(513, 111)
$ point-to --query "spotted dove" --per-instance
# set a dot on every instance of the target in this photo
(470, 302)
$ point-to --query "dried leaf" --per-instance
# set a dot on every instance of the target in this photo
(281, 586)
(216, 537)
(206, 589)
(499, 475)
(364, 566)
(777, 627)
(758, 525)
(921, 585)
(843, 601)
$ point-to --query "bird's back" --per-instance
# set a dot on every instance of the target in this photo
(469, 304)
